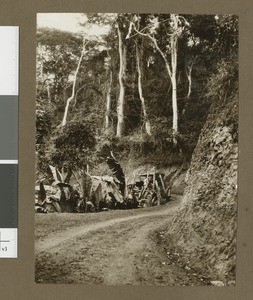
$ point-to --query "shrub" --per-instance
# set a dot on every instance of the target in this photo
(73, 145)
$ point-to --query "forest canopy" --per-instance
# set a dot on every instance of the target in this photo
(138, 84)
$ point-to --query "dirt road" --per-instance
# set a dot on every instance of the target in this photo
(122, 250)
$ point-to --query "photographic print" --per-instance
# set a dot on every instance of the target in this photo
(136, 149)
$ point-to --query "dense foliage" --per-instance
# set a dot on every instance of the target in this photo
(206, 53)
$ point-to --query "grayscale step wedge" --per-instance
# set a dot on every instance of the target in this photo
(9, 102)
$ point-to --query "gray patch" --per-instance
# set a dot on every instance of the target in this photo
(9, 127)
(9, 196)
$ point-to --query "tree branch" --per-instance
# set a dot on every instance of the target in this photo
(153, 39)
(64, 121)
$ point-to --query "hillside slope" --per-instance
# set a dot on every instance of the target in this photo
(205, 227)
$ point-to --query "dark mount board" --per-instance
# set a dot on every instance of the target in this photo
(17, 276)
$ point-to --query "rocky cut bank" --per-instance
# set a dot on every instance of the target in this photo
(205, 227)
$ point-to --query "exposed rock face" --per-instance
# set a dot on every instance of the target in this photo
(178, 184)
(205, 227)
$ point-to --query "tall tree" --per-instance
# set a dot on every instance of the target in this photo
(139, 70)
(108, 94)
(122, 75)
(57, 53)
(176, 25)
(72, 97)
(188, 71)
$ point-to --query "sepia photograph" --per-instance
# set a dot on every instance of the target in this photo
(136, 149)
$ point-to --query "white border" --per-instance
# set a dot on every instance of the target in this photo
(9, 60)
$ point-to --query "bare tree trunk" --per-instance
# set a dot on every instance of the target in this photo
(188, 71)
(121, 99)
(41, 70)
(48, 93)
(189, 77)
(64, 120)
(173, 45)
(108, 102)
(172, 70)
(77, 92)
(190, 85)
(145, 116)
